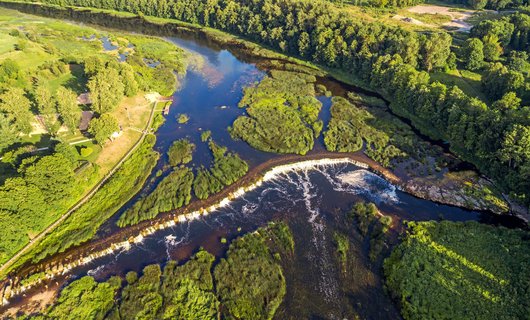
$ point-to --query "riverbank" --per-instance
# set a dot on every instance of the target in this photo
(57, 267)
(453, 191)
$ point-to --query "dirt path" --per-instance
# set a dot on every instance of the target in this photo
(458, 17)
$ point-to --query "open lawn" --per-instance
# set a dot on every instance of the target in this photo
(466, 80)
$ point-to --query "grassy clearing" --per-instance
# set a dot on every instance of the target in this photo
(466, 80)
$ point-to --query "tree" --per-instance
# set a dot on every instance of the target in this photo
(68, 109)
(492, 48)
(509, 101)
(516, 146)
(47, 108)
(106, 90)
(103, 127)
(473, 54)
(9, 69)
(498, 80)
(8, 134)
(15, 105)
(128, 79)
(68, 151)
(517, 60)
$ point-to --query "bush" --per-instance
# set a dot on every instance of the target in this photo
(86, 151)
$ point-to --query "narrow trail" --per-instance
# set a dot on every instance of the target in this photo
(82, 201)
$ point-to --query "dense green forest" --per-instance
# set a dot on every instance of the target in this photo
(455, 270)
(389, 59)
(248, 283)
(282, 114)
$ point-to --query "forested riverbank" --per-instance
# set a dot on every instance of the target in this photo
(161, 219)
(372, 61)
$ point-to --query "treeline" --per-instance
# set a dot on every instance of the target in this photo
(491, 4)
(494, 138)
(248, 284)
(487, 278)
(378, 3)
(314, 30)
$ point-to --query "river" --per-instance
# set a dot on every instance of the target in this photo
(312, 199)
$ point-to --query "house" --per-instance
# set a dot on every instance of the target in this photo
(86, 116)
(84, 99)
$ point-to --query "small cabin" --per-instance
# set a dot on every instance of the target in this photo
(86, 117)
(84, 99)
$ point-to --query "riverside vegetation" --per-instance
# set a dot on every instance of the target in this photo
(450, 260)
(43, 68)
(400, 68)
(282, 114)
(174, 190)
(248, 284)
(226, 169)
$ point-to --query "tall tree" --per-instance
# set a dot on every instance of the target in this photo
(473, 54)
(46, 105)
(106, 90)
(68, 108)
(15, 105)
(103, 127)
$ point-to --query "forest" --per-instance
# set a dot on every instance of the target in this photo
(248, 283)
(392, 60)
(456, 274)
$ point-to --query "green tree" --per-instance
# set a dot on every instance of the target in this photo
(103, 127)
(473, 54)
(492, 47)
(106, 90)
(128, 79)
(15, 105)
(516, 146)
(517, 60)
(46, 104)
(8, 134)
(68, 108)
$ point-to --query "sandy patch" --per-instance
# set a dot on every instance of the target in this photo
(411, 20)
(458, 17)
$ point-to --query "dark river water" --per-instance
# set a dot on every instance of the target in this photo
(313, 201)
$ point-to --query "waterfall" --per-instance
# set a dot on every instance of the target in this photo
(276, 173)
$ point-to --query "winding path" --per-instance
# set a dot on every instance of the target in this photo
(82, 201)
